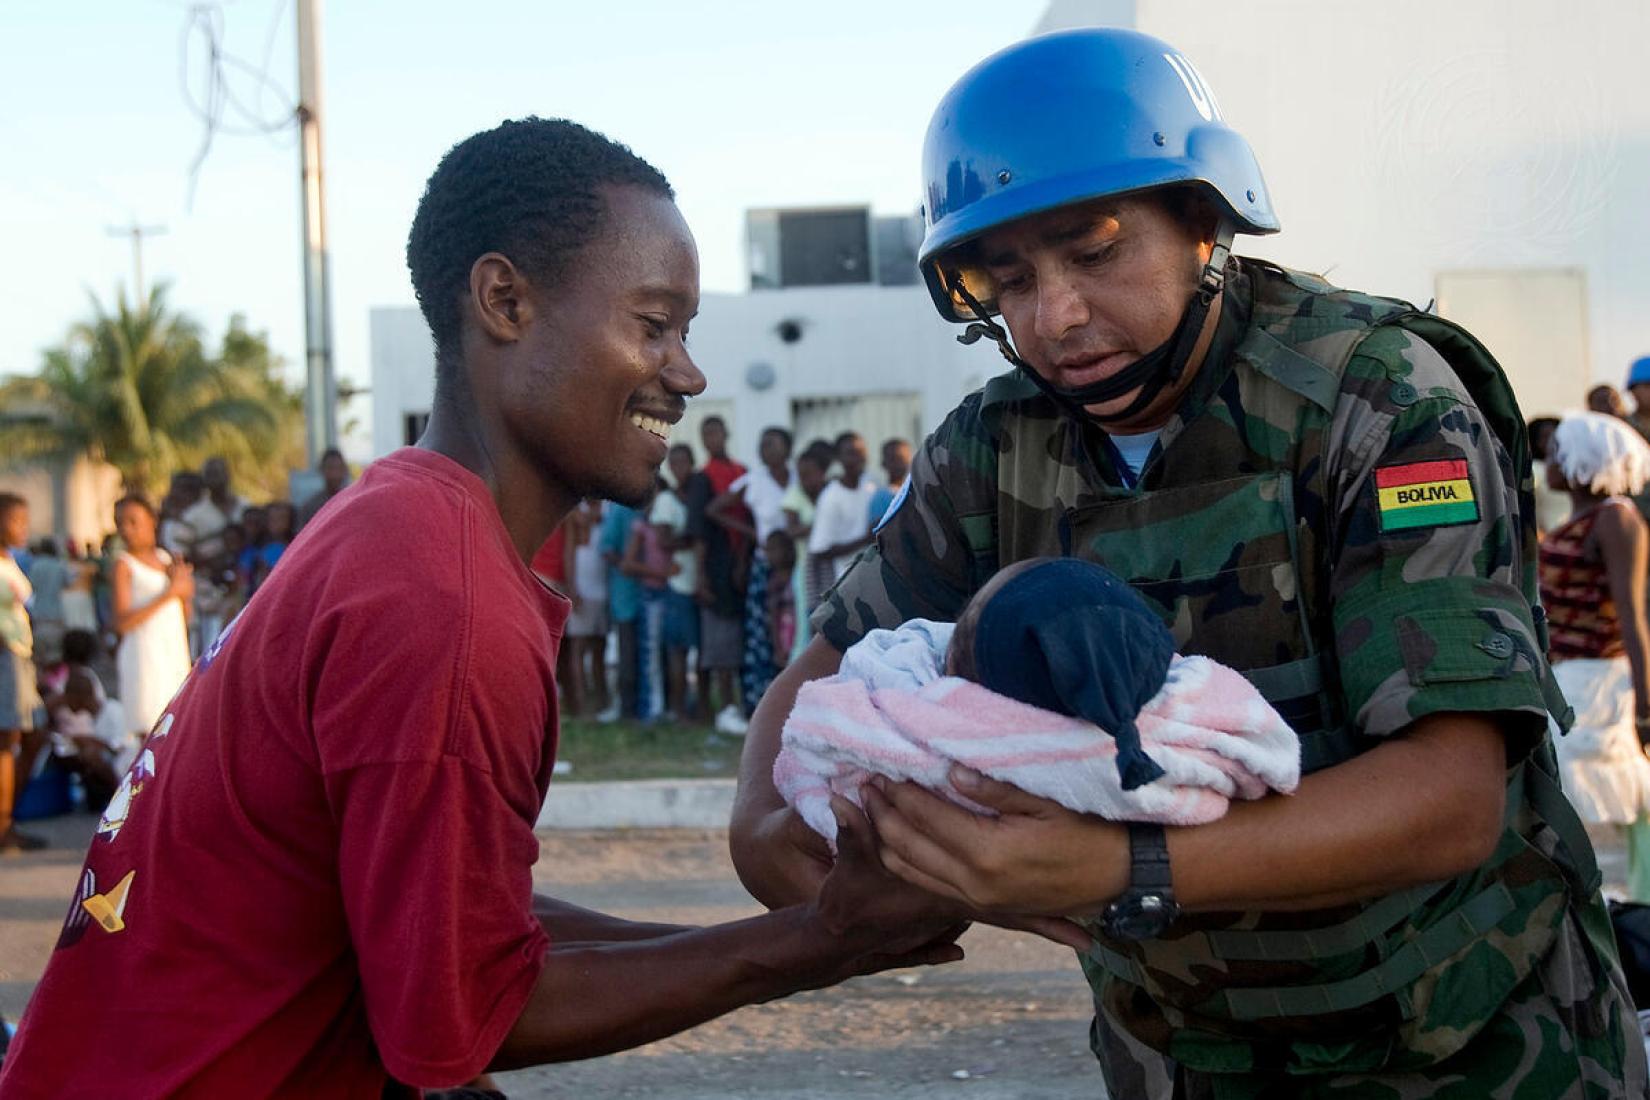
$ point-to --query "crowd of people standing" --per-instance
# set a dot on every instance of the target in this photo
(703, 595)
(135, 611)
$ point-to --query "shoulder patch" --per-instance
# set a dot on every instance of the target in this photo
(1425, 494)
(893, 505)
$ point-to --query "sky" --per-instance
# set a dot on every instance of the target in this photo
(740, 104)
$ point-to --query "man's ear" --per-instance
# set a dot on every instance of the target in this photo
(499, 299)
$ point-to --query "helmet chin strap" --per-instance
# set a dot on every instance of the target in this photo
(1150, 374)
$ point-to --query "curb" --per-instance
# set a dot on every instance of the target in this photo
(639, 804)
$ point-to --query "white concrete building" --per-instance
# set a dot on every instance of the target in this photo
(875, 359)
(1493, 155)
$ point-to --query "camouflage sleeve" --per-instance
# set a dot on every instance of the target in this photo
(1428, 615)
(935, 547)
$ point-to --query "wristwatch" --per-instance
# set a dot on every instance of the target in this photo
(1147, 907)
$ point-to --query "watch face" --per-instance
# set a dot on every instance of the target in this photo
(1142, 917)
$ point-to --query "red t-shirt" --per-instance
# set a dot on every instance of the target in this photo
(723, 472)
(550, 562)
(318, 872)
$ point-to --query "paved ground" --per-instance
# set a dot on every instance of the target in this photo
(1010, 1023)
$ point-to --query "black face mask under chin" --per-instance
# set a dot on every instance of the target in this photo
(1150, 375)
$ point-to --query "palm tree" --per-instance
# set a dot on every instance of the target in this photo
(136, 389)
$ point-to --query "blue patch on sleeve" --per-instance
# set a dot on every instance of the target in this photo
(893, 506)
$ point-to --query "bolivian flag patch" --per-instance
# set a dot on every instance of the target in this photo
(1425, 494)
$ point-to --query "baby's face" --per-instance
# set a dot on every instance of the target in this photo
(959, 654)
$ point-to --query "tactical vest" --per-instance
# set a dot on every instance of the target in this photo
(1229, 547)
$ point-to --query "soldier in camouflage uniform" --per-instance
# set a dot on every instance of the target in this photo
(1337, 504)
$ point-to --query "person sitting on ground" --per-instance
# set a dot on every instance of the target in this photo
(89, 732)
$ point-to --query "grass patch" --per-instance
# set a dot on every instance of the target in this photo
(631, 750)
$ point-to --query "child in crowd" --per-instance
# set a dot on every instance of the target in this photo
(89, 732)
(1057, 679)
(780, 550)
(281, 520)
(585, 685)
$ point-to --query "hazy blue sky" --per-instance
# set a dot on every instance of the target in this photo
(740, 104)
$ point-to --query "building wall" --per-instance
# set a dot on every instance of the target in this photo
(76, 500)
(853, 341)
(1424, 138)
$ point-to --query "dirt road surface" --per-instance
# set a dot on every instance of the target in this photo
(1009, 1023)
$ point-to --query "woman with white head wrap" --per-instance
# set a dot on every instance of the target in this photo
(1593, 588)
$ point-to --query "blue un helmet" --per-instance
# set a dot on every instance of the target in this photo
(1064, 118)
(1639, 372)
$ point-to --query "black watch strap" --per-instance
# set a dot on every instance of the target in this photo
(1149, 859)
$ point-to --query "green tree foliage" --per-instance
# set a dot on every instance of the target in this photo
(135, 387)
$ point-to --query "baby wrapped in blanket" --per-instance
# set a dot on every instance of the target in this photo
(1058, 679)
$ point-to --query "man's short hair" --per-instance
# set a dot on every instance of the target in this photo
(330, 452)
(529, 189)
(8, 501)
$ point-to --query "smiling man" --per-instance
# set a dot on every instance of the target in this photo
(319, 881)
(1325, 490)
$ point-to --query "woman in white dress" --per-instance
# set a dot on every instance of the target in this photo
(152, 592)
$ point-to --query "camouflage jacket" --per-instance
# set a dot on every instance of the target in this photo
(1330, 513)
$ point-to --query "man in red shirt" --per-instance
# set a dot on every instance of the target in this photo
(315, 882)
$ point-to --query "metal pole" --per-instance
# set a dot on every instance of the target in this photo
(320, 388)
(136, 232)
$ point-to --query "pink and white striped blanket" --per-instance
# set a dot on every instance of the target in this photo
(1209, 729)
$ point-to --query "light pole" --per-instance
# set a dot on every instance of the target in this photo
(320, 388)
(137, 233)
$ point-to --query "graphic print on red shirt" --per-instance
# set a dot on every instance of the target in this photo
(318, 873)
